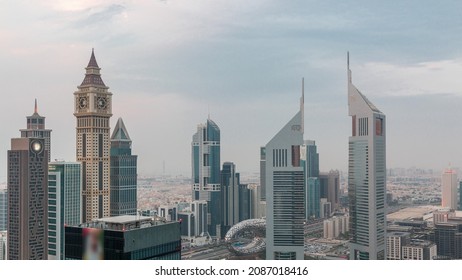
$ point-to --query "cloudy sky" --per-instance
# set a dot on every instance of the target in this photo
(169, 63)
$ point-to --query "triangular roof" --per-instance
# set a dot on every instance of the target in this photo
(92, 62)
(92, 75)
(120, 132)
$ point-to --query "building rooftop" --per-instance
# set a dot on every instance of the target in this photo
(125, 223)
(398, 234)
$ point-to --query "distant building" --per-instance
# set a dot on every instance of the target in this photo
(460, 195)
(187, 223)
(3, 209)
(442, 216)
(124, 238)
(395, 242)
(206, 172)
(245, 202)
(285, 191)
(263, 173)
(27, 197)
(255, 194)
(448, 238)
(169, 212)
(200, 211)
(325, 208)
(330, 187)
(419, 250)
(366, 177)
(449, 189)
(335, 226)
(3, 245)
(64, 203)
(123, 173)
(36, 129)
(310, 162)
(230, 181)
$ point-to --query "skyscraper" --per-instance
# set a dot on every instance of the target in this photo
(36, 129)
(27, 197)
(449, 189)
(93, 111)
(330, 187)
(3, 245)
(285, 193)
(366, 177)
(206, 172)
(123, 172)
(310, 163)
(3, 209)
(230, 196)
(64, 203)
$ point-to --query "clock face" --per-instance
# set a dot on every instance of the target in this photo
(36, 146)
(83, 102)
(101, 103)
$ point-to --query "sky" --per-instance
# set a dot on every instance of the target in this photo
(170, 64)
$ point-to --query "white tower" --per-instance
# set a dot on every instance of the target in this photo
(449, 189)
(285, 212)
(366, 177)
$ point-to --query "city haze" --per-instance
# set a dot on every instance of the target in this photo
(171, 64)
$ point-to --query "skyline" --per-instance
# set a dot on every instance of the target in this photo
(240, 62)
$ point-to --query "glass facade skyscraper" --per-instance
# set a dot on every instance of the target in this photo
(123, 173)
(310, 163)
(64, 203)
(206, 172)
(3, 209)
(366, 177)
(285, 192)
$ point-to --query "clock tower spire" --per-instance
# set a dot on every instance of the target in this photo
(93, 110)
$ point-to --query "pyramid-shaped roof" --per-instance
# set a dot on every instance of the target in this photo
(120, 132)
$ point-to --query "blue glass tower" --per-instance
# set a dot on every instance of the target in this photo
(206, 172)
(64, 203)
(123, 172)
(310, 163)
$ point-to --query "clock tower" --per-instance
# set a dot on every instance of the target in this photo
(93, 110)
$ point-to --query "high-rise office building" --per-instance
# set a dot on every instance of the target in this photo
(449, 189)
(230, 181)
(330, 187)
(312, 198)
(187, 223)
(395, 242)
(419, 250)
(27, 199)
(310, 163)
(3, 245)
(124, 238)
(366, 177)
(206, 172)
(285, 195)
(64, 203)
(123, 172)
(93, 109)
(3, 209)
(199, 209)
(245, 202)
(36, 129)
(448, 238)
(263, 173)
(169, 212)
(460, 195)
(311, 156)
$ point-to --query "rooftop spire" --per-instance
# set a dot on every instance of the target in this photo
(302, 105)
(348, 67)
(92, 62)
(35, 107)
(120, 132)
(92, 75)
